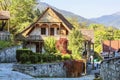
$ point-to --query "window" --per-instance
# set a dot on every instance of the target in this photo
(51, 31)
(43, 31)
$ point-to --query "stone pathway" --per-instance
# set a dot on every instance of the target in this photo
(6, 73)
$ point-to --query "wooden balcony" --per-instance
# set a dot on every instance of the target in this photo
(42, 37)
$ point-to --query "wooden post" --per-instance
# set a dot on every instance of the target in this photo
(93, 57)
(49, 29)
(60, 30)
(85, 67)
(8, 25)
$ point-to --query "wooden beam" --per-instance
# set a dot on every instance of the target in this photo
(49, 29)
(60, 29)
(8, 26)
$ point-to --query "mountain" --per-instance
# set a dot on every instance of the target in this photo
(42, 6)
(109, 20)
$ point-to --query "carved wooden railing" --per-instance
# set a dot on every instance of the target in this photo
(42, 37)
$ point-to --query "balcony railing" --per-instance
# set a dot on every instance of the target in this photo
(42, 37)
(4, 35)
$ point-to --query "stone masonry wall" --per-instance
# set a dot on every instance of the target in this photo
(9, 54)
(42, 70)
(110, 69)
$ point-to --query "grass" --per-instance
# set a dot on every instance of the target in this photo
(5, 44)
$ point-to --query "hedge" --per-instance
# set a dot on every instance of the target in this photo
(19, 53)
(27, 56)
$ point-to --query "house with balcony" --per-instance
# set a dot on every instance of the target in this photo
(50, 23)
(4, 22)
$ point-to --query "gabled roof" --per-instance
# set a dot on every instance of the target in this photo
(60, 16)
(70, 26)
(4, 15)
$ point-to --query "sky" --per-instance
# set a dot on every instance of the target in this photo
(87, 8)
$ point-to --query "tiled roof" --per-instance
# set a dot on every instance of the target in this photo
(112, 45)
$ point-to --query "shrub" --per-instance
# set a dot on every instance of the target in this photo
(24, 58)
(66, 57)
(59, 57)
(27, 56)
(4, 44)
(76, 56)
(61, 45)
(34, 58)
(53, 57)
(44, 57)
(20, 52)
(39, 58)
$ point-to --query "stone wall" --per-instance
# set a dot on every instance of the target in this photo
(9, 54)
(110, 69)
(42, 70)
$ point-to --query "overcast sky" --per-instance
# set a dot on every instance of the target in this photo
(87, 8)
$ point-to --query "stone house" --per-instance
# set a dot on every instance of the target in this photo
(50, 23)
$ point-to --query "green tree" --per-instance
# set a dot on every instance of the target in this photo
(75, 42)
(22, 13)
(49, 45)
(76, 24)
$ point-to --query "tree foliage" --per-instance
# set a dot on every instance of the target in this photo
(102, 33)
(22, 13)
(49, 45)
(75, 41)
(76, 24)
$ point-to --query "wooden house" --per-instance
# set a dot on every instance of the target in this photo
(50, 23)
(88, 43)
(4, 20)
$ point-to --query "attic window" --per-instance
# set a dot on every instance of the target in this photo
(43, 31)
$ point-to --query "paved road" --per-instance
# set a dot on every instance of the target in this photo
(6, 73)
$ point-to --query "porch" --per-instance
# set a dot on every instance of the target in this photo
(35, 46)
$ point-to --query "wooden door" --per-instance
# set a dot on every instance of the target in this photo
(39, 46)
